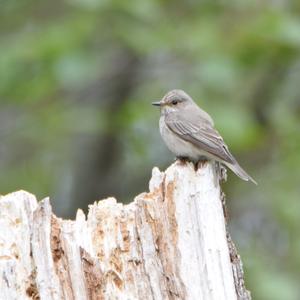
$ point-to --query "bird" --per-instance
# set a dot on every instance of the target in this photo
(189, 132)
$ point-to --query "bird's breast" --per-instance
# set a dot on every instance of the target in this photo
(177, 145)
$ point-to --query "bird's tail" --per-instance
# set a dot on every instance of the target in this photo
(239, 171)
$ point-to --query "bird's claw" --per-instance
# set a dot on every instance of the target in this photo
(201, 162)
(181, 159)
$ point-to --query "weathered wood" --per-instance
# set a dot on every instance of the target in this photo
(170, 243)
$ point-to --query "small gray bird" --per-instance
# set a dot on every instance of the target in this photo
(189, 132)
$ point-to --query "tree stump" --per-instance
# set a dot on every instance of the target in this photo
(169, 243)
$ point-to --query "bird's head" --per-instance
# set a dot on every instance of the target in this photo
(174, 101)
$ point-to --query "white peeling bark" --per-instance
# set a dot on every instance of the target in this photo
(170, 243)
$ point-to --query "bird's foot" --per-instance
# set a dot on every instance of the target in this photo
(223, 173)
(201, 162)
(182, 159)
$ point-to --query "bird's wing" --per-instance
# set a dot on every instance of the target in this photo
(202, 135)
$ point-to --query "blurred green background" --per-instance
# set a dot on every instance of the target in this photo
(76, 81)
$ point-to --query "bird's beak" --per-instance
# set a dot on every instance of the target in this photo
(156, 103)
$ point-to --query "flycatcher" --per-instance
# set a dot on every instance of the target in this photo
(189, 132)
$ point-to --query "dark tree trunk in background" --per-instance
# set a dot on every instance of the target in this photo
(99, 155)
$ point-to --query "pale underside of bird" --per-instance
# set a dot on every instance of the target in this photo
(189, 132)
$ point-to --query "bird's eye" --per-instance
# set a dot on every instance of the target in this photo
(174, 102)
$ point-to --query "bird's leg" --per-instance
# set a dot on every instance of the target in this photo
(182, 159)
(201, 162)
(223, 172)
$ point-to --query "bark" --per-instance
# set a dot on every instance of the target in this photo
(169, 243)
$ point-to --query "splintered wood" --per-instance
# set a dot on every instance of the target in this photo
(170, 243)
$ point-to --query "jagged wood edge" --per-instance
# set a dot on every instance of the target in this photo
(236, 262)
